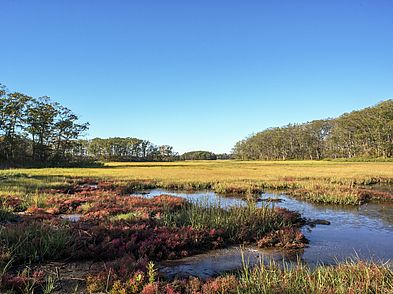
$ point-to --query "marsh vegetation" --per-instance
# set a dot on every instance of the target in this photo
(133, 234)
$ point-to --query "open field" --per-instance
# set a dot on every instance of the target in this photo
(320, 181)
(226, 170)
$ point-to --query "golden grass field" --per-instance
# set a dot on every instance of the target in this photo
(224, 170)
(322, 181)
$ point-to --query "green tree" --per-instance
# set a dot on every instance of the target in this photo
(13, 107)
(40, 121)
(66, 130)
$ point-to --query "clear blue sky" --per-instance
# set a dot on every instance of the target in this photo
(199, 74)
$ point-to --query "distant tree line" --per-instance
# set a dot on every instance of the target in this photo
(364, 133)
(204, 155)
(36, 130)
(198, 155)
(134, 149)
(122, 149)
(224, 156)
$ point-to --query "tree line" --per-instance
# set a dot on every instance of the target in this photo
(198, 155)
(122, 149)
(40, 130)
(36, 130)
(364, 133)
(134, 149)
(44, 132)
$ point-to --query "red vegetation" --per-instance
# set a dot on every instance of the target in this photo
(288, 216)
(367, 194)
(289, 238)
(23, 280)
(11, 202)
(128, 244)
(143, 238)
(102, 204)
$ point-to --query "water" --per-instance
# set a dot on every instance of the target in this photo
(364, 232)
(216, 262)
(71, 217)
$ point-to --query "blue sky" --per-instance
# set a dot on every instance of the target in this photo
(198, 75)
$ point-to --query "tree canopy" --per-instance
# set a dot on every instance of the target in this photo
(42, 131)
(198, 155)
(36, 129)
(123, 149)
(363, 133)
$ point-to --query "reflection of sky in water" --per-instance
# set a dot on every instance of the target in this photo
(204, 197)
(365, 231)
(213, 263)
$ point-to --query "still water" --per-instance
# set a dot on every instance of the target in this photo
(364, 232)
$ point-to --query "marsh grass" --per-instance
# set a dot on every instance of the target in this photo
(347, 277)
(13, 182)
(329, 193)
(238, 223)
(30, 241)
(34, 241)
(7, 215)
(321, 181)
(129, 216)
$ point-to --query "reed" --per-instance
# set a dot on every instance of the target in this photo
(238, 223)
(348, 277)
(34, 241)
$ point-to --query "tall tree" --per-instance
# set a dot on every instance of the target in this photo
(66, 130)
(35, 129)
(40, 120)
(13, 107)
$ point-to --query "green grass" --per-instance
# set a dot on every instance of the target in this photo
(238, 223)
(349, 277)
(33, 242)
(130, 216)
(6, 215)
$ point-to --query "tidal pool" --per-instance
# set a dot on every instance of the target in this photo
(71, 217)
(363, 232)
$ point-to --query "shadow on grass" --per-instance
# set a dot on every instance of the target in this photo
(159, 164)
(21, 182)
